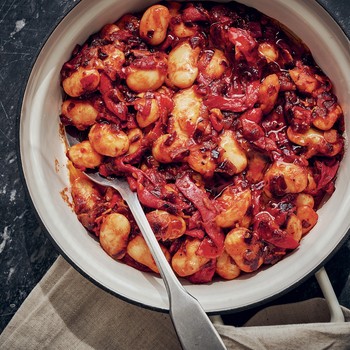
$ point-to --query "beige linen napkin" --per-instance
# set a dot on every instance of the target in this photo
(66, 311)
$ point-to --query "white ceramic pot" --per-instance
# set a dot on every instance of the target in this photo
(44, 163)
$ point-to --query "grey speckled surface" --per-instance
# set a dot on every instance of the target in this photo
(340, 11)
(25, 250)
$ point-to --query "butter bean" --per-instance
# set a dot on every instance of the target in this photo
(145, 118)
(226, 267)
(186, 262)
(114, 234)
(154, 24)
(232, 153)
(81, 81)
(139, 251)
(216, 67)
(142, 80)
(292, 178)
(182, 65)
(84, 156)
(108, 141)
(81, 113)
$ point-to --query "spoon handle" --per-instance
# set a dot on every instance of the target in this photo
(193, 327)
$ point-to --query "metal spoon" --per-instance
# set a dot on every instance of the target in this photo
(192, 325)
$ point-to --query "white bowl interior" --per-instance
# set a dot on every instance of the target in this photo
(43, 162)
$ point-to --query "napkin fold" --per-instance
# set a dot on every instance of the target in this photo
(67, 311)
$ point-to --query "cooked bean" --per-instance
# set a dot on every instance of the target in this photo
(317, 142)
(114, 61)
(202, 161)
(284, 178)
(139, 251)
(108, 141)
(166, 226)
(268, 93)
(181, 30)
(109, 29)
(294, 227)
(269, 51)
(232, 153)
(216, 66)
(81, 81)
(244, 248)
(304, 199)
(154, 24)
(80, 113)
(85, 195)
(84, 156)
(305, 80)
(142, 80)
(135, 137)
(168, 148)
(114, 234)
(188, 112)
(233, 204)
(147, 111)
(308, 218)
(186, 262)
(327, 122)
(182, 65)
(226, 267)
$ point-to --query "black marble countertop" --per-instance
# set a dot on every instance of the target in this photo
(26, 252)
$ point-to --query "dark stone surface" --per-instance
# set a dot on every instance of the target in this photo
(26, 253)
(340, 11)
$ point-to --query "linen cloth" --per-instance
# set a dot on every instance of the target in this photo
(66, 311)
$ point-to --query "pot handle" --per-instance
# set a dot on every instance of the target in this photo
(329, 294)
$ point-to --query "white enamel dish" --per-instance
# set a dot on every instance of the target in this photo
(44, 163)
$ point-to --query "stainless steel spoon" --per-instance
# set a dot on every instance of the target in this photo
(192, 325)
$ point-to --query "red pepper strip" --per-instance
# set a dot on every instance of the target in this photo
(145, 109)
(194, 13)
(175, 246)
(255, 115)
(196, 195)
(326, 174)
(166, 105)
(105, 84)
(193, 220)
(205, 274)
(108, 95)
(120, 35)
(150, 200)
(200, 199)
(251, 130)
(128, 169)
(154, 134)
(268, 230)
(207, 248)
(266, 144)
(115, 199)
(244, 43)
(145, 196)
(196, 233)
(283, 240)
(235, 103)
(134, 157)
(216, 122)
